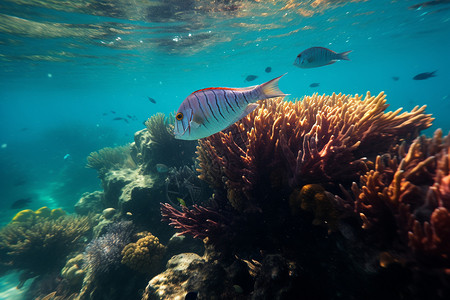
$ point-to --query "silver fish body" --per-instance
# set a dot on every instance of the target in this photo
(208, 111)
(319, 56)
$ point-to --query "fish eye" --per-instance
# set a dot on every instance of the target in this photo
(179, 116)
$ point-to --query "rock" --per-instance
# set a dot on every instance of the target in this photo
(173, 283)
(108, 213)
(181, 243)
(90, 203)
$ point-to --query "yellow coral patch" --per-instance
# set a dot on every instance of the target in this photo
(43, 212)
(145, 255)
(25, 215)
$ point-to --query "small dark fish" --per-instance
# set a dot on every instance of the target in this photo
(191, 296)
(152, 100)
(250, 77)
(126, 121)
(319, 56)
(118, 118)
(423, 76)
(104, 114)
(113, 112)
(129, 117)
(268, 69)
(21, 203)
(395, 78)
(162, 168)
(315, 84)
(429, 3)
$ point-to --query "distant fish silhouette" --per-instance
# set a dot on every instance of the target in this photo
(120, 118)
(162, 168)
(21, 203)
(429, 3)
(151, 100)
(113, 111)
(319, 56)
(129, 117)
(104, 114)
(268, 70)
(250, 77)
(395, 78)
(315, 84)
(423, 76)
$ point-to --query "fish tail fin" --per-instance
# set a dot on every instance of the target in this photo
(433, 73)
(344, 55)
(270, 89)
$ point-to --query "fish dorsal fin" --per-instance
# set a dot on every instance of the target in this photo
(215, 88)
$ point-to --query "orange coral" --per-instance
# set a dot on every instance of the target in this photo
(409, 201)
(320, 139)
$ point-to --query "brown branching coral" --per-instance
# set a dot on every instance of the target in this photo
(108, 158)
(157, 145)
(406, 200)
(321, 139)
(40, 245)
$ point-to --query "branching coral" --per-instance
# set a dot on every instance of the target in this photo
(406, 200)
(320, 139)
(145, 255)
(160, 128)
(157, 145)
(108, 158)
(40, 244)
(197, 221)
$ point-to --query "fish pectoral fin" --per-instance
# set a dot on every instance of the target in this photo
(196, 121)
(251, 107)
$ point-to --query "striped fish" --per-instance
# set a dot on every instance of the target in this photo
(319, 56)
(211, 110)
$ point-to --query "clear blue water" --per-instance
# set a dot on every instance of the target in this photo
(64, 66)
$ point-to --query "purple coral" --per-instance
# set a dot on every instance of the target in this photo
(104, 253)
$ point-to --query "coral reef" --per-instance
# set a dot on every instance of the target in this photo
(213, 279)
(183, 183)
(73, 271)
(38, 242)
(107, 159)
(314, 198)
(404, 202)
(145, 255)
(255, 165)
(287, 167)
(321, 139)
(157, 145)
(103, 254)
(90, 203)
(198, 221)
